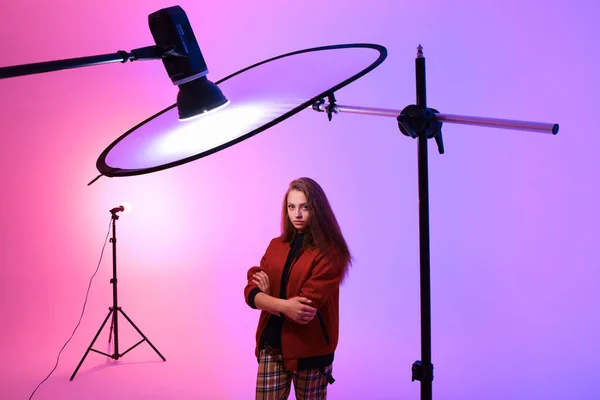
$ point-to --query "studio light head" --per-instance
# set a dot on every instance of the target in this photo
(184, 63)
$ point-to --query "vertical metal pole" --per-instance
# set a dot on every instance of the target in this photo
(427, 368)
(114, 283)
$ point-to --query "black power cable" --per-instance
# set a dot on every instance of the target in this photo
(80, 317)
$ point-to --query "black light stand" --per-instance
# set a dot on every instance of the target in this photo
(422, 123)
(114, 309)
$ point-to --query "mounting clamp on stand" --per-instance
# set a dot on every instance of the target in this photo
(330, 108)
(413, 119)
(152, 53)
(422, 373)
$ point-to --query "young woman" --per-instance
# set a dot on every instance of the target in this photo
(297, 288)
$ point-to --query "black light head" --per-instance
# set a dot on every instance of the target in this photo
(184, 63)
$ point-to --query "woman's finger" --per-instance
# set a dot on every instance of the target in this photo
(258, 283)
(266, 279)
(262, 280)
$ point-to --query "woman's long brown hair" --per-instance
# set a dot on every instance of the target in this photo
(323, 229)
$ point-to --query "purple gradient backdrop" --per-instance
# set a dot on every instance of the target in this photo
(514, 214)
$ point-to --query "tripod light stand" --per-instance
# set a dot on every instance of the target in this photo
(114, 311)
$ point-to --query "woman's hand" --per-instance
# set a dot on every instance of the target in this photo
(261, 279)
(298, 310)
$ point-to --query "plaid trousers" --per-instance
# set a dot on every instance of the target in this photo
(274, 383)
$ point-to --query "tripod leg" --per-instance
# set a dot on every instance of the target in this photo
(91, 344)
(112, 323)
(141, 334)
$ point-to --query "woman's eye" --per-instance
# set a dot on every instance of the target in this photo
(291, 207)
(305, 208)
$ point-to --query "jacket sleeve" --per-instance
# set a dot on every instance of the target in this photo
(324, 279)
(251, 290)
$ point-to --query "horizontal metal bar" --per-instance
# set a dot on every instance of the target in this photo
(540, 127)
(48, 66)
(132, 347)
(368, 111)
(99, 352)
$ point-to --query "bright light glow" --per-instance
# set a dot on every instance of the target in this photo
(205, 112)
(203, 134)
(126, 207)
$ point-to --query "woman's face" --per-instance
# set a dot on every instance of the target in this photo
(298, 212)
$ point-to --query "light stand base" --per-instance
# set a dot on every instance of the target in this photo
(115, 355)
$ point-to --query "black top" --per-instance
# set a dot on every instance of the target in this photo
(272, 334)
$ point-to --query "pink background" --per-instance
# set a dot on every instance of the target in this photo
(514, 215)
